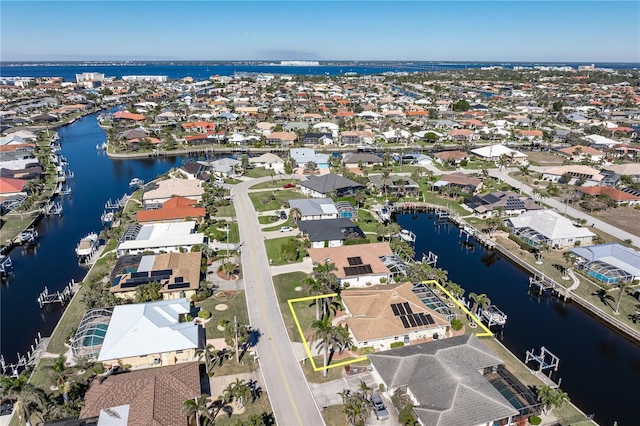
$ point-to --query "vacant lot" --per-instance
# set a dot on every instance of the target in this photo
(540, 158)
(626, 218)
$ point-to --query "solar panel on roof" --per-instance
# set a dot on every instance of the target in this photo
(179, 279)
(405, 323)
(129, 284)
(429, 318)
(412, 320)
(394, 308)
(401, 309)
(177, 285)
(139, 274)
(407, 308)
(162, 272)
(353, 261)
(419, 319)
(357, 270)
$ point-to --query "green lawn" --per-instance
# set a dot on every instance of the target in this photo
(69, 322)
(225, 211)
(332, 374)
(334, 416)
(267, 219)
(288, 222)
(273, 251)
(261, 405)
(258, 172)
(281, 197)
(285, 285)
(273, 184)
(236, 306)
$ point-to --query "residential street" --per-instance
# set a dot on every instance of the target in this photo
(284, 380)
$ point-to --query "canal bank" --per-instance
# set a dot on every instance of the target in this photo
(598, 367)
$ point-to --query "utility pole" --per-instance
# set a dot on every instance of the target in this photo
(235, 327)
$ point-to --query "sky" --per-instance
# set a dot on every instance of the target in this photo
(506, 31)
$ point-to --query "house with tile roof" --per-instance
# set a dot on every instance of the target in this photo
(381, 315)
(177, 273)
(358, 265)
(450, 382)
(10, 186)
(579, 153)
(579, 174)
(151, 334)
(142, 398)
(619, 197)
(156, 193)
(175, 209)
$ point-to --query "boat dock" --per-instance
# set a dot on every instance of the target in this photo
(29, 360)
(46, 298)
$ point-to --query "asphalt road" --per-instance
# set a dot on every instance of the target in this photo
(286, 385)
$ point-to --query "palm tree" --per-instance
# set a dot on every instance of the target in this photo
(209, 355)
(622, 286)
(365, 389)
(455, 289)
(385, 176)
(241, 392)
(551, 398)
(503, 160)
(357, 405)
(479, 300)
(328, 336)
(197, 408)
(360, 197)
(295, 214)
(236, 334)
(315, 288)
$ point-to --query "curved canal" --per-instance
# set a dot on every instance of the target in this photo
(600, 370)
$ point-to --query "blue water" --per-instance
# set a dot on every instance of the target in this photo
(599, 368)
(52, 262)
(204, 70)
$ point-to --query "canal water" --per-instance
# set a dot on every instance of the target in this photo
(52, 262)
(600, 370)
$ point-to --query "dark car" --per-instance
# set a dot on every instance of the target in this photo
(378, 405)
(289, 185)
(283, 215)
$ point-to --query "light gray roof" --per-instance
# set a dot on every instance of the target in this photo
(330, 229)
(613, 254)
(314, 206)
(550, 224)
(445, 378)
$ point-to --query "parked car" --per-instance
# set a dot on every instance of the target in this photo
(289, 185)
(283, 214)
(286, 229)
(381, 410)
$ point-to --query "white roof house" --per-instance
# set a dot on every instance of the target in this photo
(315, 208)
(538, 227)
(160, 191)
(268, 160)
(157, 237)
(148, 328)
(328, 127)
(493, 152)
(601, 141)
(302, 156)
(610, 263)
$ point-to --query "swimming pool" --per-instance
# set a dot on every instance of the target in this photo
(95, 335)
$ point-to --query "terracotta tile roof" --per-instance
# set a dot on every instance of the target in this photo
(584, 150)
(199, 124)
(10, 185)
(615, 194)
(418, 113)
(371, 316)
(154, 396)
(369, 253)
(15, 147)
(345, 114)
(451, 155)
(126, 115)
(537, 133)
(286, 136)
(172, 209)
(460, 132)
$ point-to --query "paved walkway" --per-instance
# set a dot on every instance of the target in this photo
(290, 396)
(576, 281)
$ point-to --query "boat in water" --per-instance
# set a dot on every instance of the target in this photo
(6, 265)
(408, 236)
(107, 218)
(494, 316)
(28, 236)
(87, 246)
(136, 183)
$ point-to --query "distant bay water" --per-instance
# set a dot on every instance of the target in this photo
(203, 70)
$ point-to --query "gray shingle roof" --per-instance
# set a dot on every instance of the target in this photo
(444, 376)
(329, 229)
(326, 183)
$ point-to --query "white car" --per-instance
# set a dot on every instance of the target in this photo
(286, 229)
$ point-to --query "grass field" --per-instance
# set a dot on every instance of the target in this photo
(285, 285)
(273, 251)
(281, 197)
(236, 306)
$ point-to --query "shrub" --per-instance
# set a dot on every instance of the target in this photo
(366, 350)
(405, 417)
(397, 345)
(535, 420)
(98, 368)
(456, 324)
(381, 387)
(223, 323)
(204, 314)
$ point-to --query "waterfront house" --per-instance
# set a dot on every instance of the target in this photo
(577, 174)
(500, 203)
(357, 137)
(159, 237)
(546, 227)
(352, 159)
(223, 167)
(128, 116)
(148, 397)
(379, 316)
(302, 156)
(193, 170)
(579, 153)
(10, 186)
(157, 192)
(330, 232)
(494, 152)
(358, 265)
(451, 157)
(177, 273)
(175, 209)
(452, 381)
(315, 208)
(281, 138)
(329, 184)
(458, 183)
(609, 263)
(268, 161)
(151, 334)
(395, 185)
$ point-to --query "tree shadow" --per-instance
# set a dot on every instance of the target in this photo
(604, 297)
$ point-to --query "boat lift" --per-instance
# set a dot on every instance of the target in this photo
(546, 360)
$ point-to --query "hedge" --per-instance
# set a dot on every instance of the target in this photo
(397, 345)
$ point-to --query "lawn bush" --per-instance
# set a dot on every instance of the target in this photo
(535, 420)
(397, 345)
(204, 314)
(366, 350)
(456, 324)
